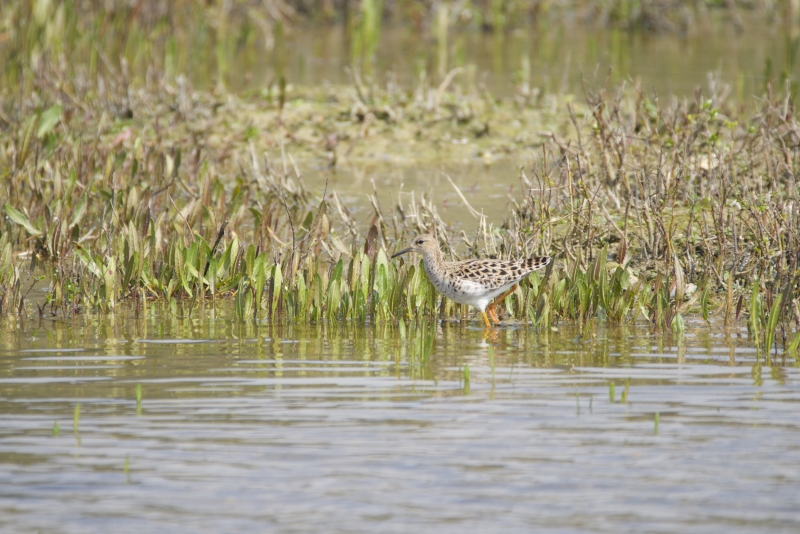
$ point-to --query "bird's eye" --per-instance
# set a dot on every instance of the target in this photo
(420, 242)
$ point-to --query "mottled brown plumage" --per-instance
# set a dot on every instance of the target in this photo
(482, 284)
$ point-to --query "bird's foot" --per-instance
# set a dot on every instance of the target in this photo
(491, 311)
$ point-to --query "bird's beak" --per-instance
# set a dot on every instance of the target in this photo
(401, 252)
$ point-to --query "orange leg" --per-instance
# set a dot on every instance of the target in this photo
(486, 320)
(491, 309)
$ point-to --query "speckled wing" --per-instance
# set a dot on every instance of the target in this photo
(497, 273)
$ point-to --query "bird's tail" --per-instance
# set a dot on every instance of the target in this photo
(537, 262)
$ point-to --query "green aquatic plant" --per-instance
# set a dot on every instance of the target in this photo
(641, 201)
(772, 324)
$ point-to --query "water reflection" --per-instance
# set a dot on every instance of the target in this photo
(552, 58)
(290, 427)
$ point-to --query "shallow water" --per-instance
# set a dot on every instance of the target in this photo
(352, 429)
(489, 189)
(713, 57)
(561, 57)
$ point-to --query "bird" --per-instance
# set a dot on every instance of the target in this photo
(483, 284)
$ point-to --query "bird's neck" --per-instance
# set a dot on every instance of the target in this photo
(433, 259)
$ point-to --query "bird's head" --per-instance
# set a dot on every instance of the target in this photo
(425, 244)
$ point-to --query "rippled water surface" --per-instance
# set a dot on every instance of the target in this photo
(349, 429)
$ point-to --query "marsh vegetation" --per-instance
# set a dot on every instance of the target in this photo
(200, 201)
(126, 184)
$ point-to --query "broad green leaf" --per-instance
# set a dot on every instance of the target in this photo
(192, 270)
(336, 276)
(49, 120)
(277, 282)
(21, 219)
(88, 261)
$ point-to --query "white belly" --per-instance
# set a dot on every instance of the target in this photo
(473, 294)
